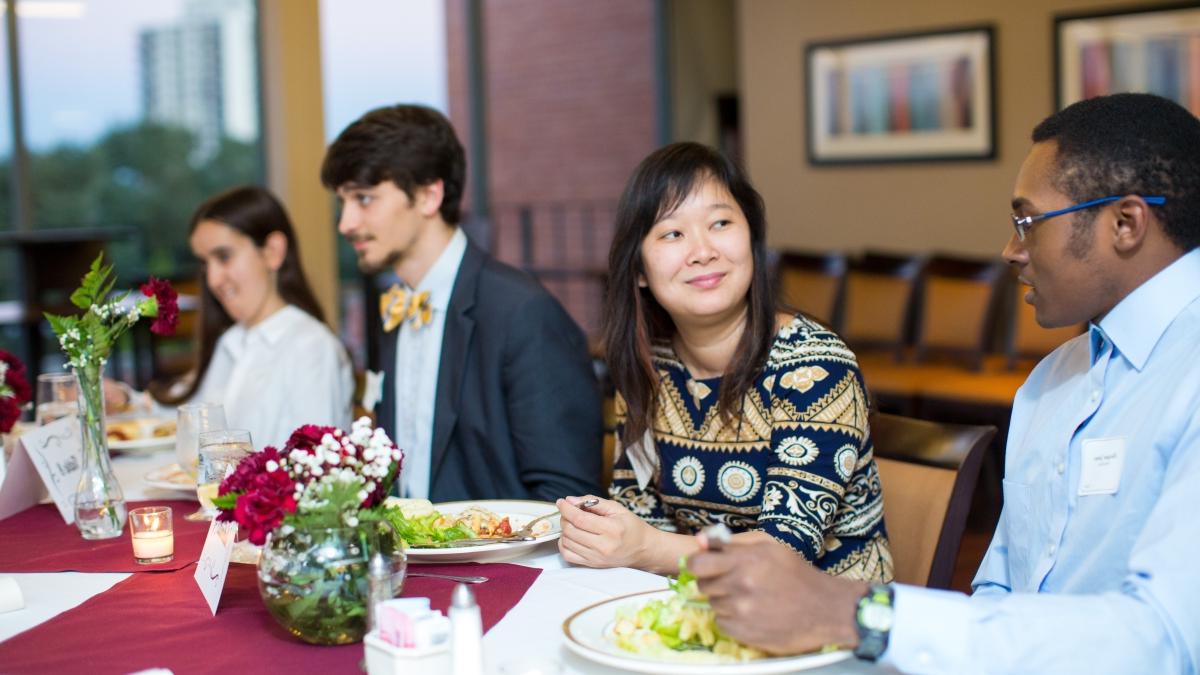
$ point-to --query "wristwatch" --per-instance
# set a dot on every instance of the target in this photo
(874, 621)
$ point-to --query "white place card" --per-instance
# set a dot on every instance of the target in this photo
(1103, 460)
(213, 565)
(56, 452)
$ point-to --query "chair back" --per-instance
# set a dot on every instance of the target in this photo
(878, 301)
(813, 283)
(958, 307)
(928, 471)
(1024, 338)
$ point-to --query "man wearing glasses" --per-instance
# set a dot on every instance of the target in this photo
(1093, 566)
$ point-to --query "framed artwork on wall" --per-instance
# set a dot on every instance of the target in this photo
(902, 98)
(1154, 50)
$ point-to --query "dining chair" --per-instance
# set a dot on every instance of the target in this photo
(1024, 339)
(813, 283)
(878, 301)
(957, 308)
(928, 471)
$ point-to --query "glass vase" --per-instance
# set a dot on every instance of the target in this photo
(314, 581)
(100, 510)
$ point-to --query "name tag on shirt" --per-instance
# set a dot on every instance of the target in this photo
(1103, 460)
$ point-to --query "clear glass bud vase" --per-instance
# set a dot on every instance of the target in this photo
(100, 510)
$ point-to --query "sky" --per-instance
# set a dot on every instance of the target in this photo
(377, 52)
(82, 77)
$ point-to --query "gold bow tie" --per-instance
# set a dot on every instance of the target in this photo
(398, 305)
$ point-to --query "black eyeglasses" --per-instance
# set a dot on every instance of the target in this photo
(1022, 223)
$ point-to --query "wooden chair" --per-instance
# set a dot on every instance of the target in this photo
(813, 283)
(1024, 338)
(958, 307)
(878, 301)
(928, 471)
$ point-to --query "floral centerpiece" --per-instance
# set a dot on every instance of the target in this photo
(14, 391)
(87, 341)
(318, 506)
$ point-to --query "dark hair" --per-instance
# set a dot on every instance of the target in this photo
(410, 145)
(1131, 144)
(254, 212)
(634, 320)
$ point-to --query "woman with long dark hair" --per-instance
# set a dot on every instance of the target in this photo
(730, 410)
(265, 352)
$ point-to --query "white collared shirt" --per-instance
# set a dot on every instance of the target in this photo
(287, 371)
(418, 356)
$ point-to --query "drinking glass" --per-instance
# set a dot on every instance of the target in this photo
(56, 396)
(220, 452)
(194, 419)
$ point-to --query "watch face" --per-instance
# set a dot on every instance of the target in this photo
(874, 616)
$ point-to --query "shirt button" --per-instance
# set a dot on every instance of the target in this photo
(1095, 396)
(1061, 468)
(1051, 551)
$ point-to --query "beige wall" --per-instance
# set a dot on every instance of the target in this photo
(294, 135)
(703, 66)
(949, 206)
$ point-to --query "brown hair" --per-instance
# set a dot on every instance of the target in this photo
(254, 212)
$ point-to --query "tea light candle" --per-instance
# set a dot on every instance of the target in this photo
(153, 537)
(158, 546)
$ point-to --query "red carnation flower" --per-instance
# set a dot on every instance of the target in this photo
(14, 379)
(10, 412)
(168, 305)
(307, 437)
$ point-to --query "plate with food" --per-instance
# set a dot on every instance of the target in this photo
(673, 630)
(140, 435)
(171, 477)
(488, 530)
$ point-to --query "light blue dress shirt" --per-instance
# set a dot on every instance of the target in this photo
(418, 358)
(1088, 583)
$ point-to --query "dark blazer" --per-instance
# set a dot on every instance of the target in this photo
(517, 414)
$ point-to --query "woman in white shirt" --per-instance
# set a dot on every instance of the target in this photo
(265, 352)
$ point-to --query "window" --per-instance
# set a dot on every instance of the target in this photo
(135, 111)
(376, 53)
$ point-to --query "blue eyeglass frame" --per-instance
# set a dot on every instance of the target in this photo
(1022, 224)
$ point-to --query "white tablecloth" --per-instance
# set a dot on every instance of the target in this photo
(530, 633)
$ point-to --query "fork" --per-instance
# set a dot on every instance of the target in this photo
(527, 530)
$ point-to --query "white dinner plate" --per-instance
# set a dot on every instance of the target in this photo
(518, 511)
(145, 442)
(588, 633)
(171, 477)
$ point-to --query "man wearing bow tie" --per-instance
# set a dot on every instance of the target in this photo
(487, 383)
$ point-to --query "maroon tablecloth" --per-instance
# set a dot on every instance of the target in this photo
(37, 540)
(161, 620)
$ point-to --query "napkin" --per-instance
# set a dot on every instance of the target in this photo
(10, 595)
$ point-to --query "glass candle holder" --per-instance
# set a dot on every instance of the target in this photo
(153, 535)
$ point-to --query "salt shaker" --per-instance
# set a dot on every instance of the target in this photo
(379, 586)
(466, 632)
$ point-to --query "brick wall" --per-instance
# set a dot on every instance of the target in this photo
(570, 113)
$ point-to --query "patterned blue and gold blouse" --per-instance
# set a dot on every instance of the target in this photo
(797, 463)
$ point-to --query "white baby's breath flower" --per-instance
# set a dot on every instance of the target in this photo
(272, 465)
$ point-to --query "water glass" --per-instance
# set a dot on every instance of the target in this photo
(56, 396)
(194, 419)
(220, 453)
